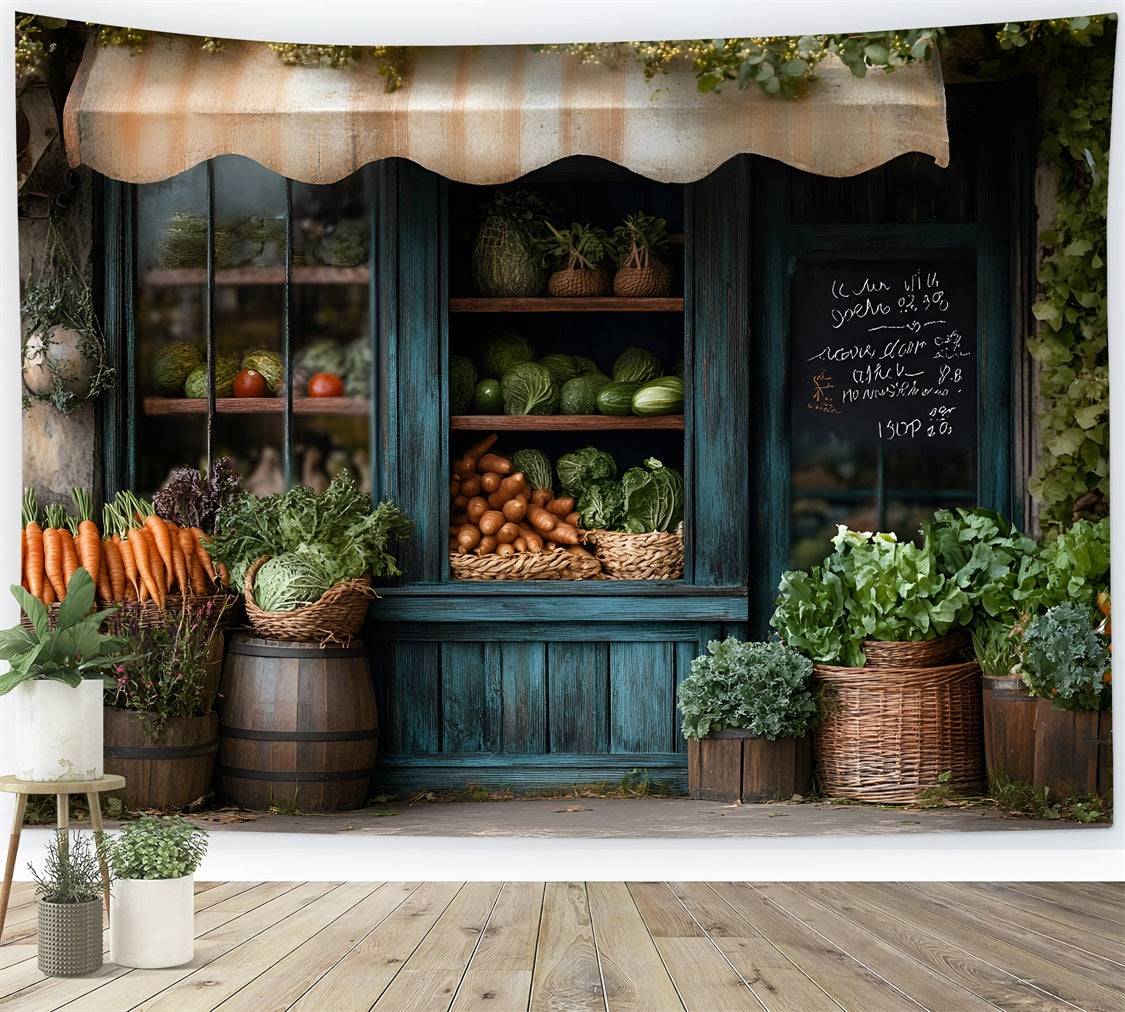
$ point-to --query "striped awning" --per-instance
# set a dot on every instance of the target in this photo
(479, 115)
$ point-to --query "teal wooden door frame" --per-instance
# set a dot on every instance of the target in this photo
(995, 240)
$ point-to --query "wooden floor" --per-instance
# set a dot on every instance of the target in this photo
(614, 946)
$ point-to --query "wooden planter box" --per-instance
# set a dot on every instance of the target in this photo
(735, 765)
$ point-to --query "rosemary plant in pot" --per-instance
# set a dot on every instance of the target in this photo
(69, 906)
(57, 676)
(747, 709)
(152, 903)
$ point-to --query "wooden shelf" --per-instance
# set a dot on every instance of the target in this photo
(257, 405)
(189, 276)
(599, 304)
(564, 423)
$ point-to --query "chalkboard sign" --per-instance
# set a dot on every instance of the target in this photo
(885, 352)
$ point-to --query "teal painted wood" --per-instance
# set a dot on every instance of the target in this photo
(401, 771)
(642, 677)
(523, 704)
(412, 676)
(462, 700)
(492, 725)
(557, 632)
(118, 299)
(577, 694)
(718, 310)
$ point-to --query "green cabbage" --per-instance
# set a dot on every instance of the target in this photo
(322, 355)
(536, 468)
(529, 389)
(579, 469)
(579, 395)
(289, 580)
(636, 365)
(357, 367)
(654, 498)
(462, 382)
(602, 505)
(503, 350)
(562, 367)
(585, 365)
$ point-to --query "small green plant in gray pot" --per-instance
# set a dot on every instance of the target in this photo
(69, 906)
(747, 709)
(152, 906)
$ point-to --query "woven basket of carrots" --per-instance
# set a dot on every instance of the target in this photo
(503, 529)
(136, 557)
(658, 555)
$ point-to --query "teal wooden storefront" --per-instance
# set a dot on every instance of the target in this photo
(522, 685)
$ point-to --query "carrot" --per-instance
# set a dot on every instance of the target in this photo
(468, 537)
(53, 561)
(128, 563)
(490, 481)
(560, 507)
(490, 522)
(520, 544)
(23, 559)
(33, 539)
(223, 575)
(163, 538)
(487, 545)
(162, 576)
(87, 537)
(464, 468)
(514, 509)
(197, 577)
(533, 538)
(479, 449)
(115, 569)
(69, 554)
(565, 534)
(476, 508)
(48, 593)
(205, 556)
(136, 537)
(541, 496)
(471, 486)
(179, 563)
(459, 502)
(505, 549)
(540, 519)
(493, 462)
(454, 486)
(105, 588)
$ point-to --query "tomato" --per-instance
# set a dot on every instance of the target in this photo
(250, 383)
(326, 384)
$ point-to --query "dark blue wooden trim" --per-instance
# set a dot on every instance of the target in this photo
(543, 630)
(117, 239)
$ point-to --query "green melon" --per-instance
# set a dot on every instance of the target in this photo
(172, 364)
(225, 371)
(269, 364)
(503, 261)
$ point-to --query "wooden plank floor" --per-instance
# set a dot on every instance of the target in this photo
(614, 946)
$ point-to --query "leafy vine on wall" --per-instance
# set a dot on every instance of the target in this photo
(1075, 58)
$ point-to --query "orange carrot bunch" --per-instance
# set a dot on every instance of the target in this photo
(140, 556)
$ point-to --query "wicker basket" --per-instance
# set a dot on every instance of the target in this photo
(655, 556)
(641, 282)
(890, 733)
(148, 613)
(523, 566)
(335, 617)
(953, 648)
(580, 282)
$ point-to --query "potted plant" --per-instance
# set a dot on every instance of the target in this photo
(57, 676)
(1066, 666)
(579, 259)
(504, 261)
(69, 906)
(642, 266)
(161, 732)
(152, 904)
(747, 709)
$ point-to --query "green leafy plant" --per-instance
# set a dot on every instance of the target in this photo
(71, 871)
(193, 499)
(641, 241)
(577, 469)
(338, 525)
(74, 649)
(654, 497)
(765, 688)
(580, 247)
(156, 847)
(1065, 660)
(166, 677)
(872, 587)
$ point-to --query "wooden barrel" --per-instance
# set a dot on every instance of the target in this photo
(170, 772)
(298, 725)
(1008, 710)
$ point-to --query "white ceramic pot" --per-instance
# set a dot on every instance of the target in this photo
(152, 921)
(58, 730)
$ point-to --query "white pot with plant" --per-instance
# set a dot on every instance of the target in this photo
(57, 676)
(69, 907)
(152, 903)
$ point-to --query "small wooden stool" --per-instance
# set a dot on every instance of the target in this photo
(62, 789)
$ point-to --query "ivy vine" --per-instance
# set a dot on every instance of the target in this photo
(1074, 56)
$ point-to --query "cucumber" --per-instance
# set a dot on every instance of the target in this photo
(616, 398)
(661, 396)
